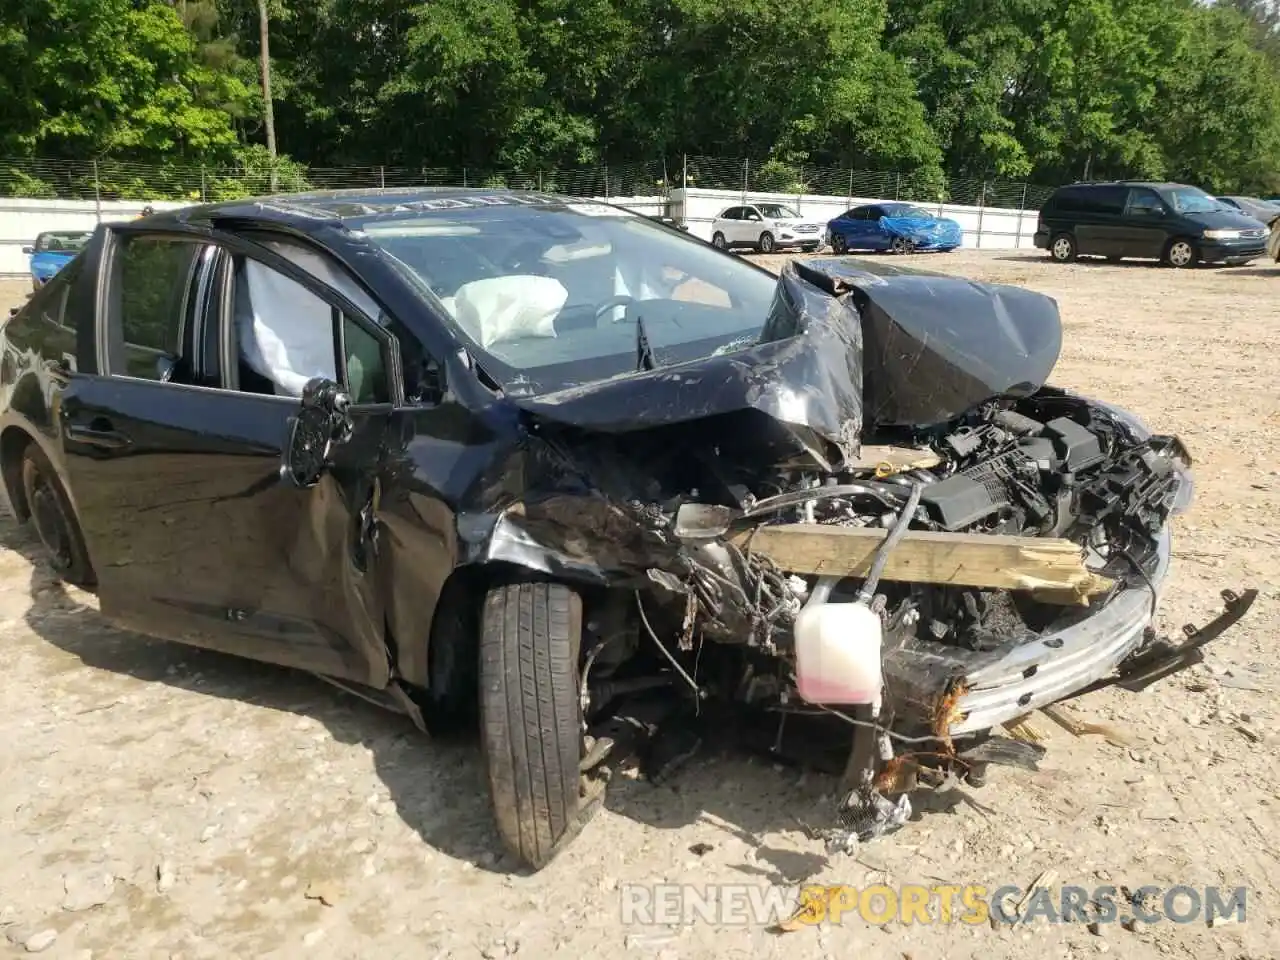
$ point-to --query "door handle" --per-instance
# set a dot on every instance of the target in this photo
(98, 434)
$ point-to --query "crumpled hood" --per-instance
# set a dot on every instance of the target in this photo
(847, 344)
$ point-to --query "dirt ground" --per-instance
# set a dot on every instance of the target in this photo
(157, 801)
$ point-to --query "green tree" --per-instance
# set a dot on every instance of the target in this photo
(90, 78)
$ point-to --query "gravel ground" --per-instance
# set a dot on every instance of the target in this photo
(157, 801)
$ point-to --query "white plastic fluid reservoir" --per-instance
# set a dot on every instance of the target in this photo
(838, 653)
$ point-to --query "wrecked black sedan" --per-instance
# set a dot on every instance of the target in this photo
(546, 458)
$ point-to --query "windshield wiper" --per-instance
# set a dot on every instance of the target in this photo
(644, 352)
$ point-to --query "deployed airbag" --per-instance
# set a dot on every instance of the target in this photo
(509, 308)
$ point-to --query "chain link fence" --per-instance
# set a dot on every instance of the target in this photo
(123, 180)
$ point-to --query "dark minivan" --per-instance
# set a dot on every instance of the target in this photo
(1172, 222)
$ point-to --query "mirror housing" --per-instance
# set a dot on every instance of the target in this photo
(28, 250)
(322, 423)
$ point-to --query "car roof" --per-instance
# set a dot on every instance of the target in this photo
(344, 206)
(1153, 184)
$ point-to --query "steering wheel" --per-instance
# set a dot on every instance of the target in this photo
(617, 300)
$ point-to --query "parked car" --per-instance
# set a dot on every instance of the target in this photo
(893, 227)
(464, 451)
(765, 227)
(52, 251)
(1264, 211)
(1172, 222)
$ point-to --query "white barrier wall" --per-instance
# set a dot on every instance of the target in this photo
(21, 220)
(988, 228)
(984, 227)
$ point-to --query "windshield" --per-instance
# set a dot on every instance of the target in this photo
(1192, 200)
(776, 211)
(62, 241)
(906, 211)
(547, 296)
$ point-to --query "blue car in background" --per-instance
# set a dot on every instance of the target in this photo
(895, 227)
(52, 251)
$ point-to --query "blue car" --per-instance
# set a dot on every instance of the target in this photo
(53, 250)
(893, 227)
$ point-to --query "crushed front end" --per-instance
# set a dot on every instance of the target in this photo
(889, 443)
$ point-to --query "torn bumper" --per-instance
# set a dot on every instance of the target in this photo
(1056, 665)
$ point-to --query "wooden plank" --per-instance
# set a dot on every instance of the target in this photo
(1052, 569)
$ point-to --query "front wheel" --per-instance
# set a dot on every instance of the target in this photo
(839, 244)
(531, 716)
(765, 243)
(1181, 253)
(901, 245)
(718, 241)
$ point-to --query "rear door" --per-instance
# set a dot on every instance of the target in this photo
(731, 225)
(174, 456)
(1100, 220)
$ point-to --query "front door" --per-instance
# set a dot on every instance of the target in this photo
(1145, 224)
(174, 453)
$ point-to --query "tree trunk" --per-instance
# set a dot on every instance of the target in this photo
(268, 113)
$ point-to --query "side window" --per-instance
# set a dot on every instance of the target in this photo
(53, 308)
(730, 214)
(1107, 200)
(284, 334)
(1068, 200)
(153, 279)
(1145, 203)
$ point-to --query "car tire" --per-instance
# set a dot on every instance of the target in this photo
(766, 243)
(1180, 253)
(718, 241)
(1063, 248)
(54, 519)
(531, 716)
(901, 245)
(839, 245)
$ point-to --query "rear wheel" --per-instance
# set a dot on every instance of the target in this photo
(54, 520)
(1181, 252)
(766, 243)
(1063, 248)
(531, 716)
(718, 241)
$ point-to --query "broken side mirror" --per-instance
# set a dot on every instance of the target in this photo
(322, 423)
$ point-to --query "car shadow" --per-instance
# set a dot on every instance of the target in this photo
(1269, 271)
(1081, 262)
(732, 793)
(441, 808)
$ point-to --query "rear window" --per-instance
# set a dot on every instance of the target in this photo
(1088, 199)
(62, 241)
